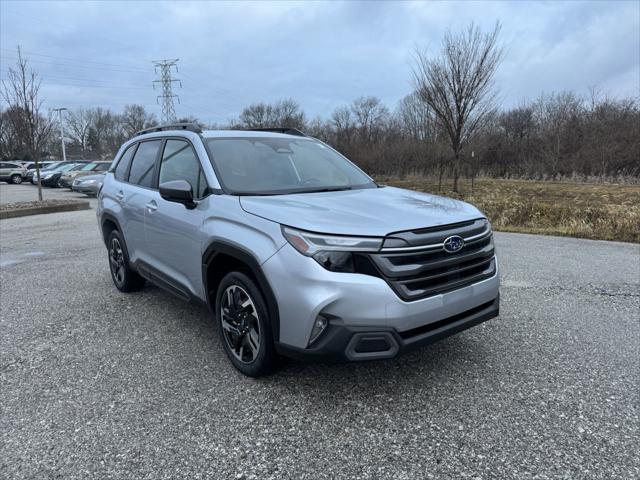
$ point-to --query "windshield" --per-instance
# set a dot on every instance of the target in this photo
(271, 166)
(66, 168)
(51, 166)
(88, 166)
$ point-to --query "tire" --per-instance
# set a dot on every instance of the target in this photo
(124, 277)
(59, 184)
(252, 325)
(16, 179)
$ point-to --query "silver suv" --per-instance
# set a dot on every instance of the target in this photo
(292, 247)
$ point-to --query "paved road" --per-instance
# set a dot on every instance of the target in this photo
(26, 192)
(99, 384)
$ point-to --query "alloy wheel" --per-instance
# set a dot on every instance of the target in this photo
(240, 324)
(116, 261)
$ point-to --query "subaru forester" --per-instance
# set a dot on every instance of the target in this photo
(294, 250)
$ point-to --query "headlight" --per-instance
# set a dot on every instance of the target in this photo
(308, 243)
(333, 252)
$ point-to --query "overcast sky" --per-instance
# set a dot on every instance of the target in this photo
(321, 54)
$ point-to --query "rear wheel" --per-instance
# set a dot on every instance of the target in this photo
(16, 179)
(244, 325)
(124, 277)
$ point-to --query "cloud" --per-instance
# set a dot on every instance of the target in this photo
(322, 54)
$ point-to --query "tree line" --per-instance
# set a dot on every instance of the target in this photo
(556, 135)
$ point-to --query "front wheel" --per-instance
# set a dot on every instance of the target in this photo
(16, 179)
(244, 325)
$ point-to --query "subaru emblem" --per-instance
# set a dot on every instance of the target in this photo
(453, 244)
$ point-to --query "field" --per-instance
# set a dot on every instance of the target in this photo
(595, 211)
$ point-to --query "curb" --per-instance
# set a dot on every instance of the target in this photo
(23, 212)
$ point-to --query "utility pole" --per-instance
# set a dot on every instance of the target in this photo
(64, 153)
(164, 67)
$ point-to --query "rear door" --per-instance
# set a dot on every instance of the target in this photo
(136, 194)
(173, 232)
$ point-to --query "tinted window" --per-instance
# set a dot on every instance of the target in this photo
(102, 167)
(179, 162)
(123, 165)
(143, 164)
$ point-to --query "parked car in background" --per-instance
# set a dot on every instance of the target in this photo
(12, 172)
(31, 168)
(89, 185)
(66, 180)
(54, 167)
(51, 177)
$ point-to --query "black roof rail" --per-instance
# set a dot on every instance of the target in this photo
(285, 130)
(191, 127)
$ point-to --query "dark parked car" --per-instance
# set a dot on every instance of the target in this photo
(51, 177)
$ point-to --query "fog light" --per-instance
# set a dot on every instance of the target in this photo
(318, 327)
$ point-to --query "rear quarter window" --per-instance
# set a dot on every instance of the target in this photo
(122, 167)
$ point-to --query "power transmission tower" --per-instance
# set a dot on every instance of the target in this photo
(164, 67)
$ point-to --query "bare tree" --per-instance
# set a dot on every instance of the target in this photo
(135, 118)
(370, 115)
(21, 92)
(284, 113)
(78, 123)
(458, 86)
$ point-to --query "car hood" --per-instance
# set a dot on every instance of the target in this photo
(375, 211)
(96, 176)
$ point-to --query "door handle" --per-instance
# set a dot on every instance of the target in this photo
(152, 206)
(119, 195)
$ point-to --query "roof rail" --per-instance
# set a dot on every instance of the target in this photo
(191, 127)
(285, 130)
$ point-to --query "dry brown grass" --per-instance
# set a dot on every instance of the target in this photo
(586, 210)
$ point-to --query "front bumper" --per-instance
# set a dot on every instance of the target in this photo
(303, 290)
(87, 190)
(354, 343)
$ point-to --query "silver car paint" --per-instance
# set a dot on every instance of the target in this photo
(371, 211)
(308, 289)
(173, 239)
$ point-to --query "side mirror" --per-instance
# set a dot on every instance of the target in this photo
(178, 191)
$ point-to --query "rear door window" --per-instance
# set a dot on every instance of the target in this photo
(143, 165)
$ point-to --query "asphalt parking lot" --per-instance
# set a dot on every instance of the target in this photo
(98, 384)
(26, 192)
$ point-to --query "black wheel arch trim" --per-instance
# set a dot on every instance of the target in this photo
(104, 217)
(238, 252)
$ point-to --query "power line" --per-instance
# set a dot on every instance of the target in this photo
(168, 110)
(68, 65)
(10, 50)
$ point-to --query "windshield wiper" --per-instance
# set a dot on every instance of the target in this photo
(326, 189)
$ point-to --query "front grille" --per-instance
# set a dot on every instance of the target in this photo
(422, 268)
